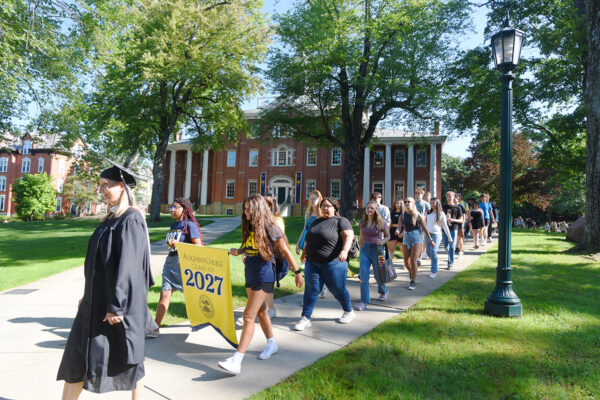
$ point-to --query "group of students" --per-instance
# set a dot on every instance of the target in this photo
(105, 349)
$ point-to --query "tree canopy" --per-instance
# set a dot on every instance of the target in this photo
(35, 196)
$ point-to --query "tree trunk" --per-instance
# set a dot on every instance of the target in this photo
(158, 175)
(352, 165)
(591, 95)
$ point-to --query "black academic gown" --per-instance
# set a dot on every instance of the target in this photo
(117, 277)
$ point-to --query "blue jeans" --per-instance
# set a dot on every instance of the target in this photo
(368, 256)
(450, 248)
(333, 274)
(432, 251)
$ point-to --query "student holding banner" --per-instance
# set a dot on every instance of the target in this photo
(185, 229)
(261, 239)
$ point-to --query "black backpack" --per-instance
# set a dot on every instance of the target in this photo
(282, 268)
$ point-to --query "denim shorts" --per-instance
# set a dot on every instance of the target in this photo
(171, 275)
(266, 287)
(412, 237)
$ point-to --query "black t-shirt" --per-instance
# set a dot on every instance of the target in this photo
(395, 215)
(323, 240)
(455, 213)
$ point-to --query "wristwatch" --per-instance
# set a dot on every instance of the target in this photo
(298, 271)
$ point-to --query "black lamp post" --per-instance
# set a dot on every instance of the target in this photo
(506, 50)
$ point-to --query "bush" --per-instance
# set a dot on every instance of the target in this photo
(35, 196)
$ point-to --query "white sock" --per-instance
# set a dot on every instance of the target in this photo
(238, 357)
(271, 340)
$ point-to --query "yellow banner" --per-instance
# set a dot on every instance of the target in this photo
(207, 289)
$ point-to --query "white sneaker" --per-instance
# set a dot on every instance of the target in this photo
(302, 324)
(239, 321)
(230, 366)
(269, 350)
(272, 313)
(489, 240)
(154, 334)
(347, 317)
(432, 275)
(323, 293)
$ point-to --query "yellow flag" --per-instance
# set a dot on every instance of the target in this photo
(207, 289)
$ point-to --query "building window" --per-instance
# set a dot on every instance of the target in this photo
(61, 167)
(378, 158)
(336, 156)
(253, 158)
(311, 156)
(399, 158)
(229, 189)
(40, 165)
(421, 158)
(27, 147)
(229, 211)
(58, 204)
(2, 183)
(252, 187)
(398, 191)
(77, 152)
(59, 187)
(3, 164)
(26, 166)
(422, 185)
(282, 157)
(1, 202)
(378, 187)
(335, 188)
(88, 207)
(280, 132)
(311, 186)
(231, 158)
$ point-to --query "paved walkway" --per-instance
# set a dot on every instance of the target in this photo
(35, 320)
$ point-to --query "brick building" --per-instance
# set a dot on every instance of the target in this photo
(34, 155)
(218, 181)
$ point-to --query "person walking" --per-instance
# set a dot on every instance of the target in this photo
(374, 234)
(395, 214)
(436, 223)
(488, 216)
(185, 229)
(476, 220)
(412, 222)
(261, 240)
(106, 348)
(325, 258)
(275, 212)
(312, 213)
(382, 208)
(422, 207)
(460, 234)
(454, 217)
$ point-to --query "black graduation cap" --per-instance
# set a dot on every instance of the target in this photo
(119, 173)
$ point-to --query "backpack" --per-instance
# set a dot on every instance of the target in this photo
(282, 268)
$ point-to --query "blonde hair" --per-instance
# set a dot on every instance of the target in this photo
(366, 221)
(316, 210)
(123, 205)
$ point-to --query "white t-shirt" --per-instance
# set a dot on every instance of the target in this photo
(385, 213)
(436, 228)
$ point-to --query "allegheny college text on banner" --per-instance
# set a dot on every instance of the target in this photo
(207, 289)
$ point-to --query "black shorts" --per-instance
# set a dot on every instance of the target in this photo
(266, 287)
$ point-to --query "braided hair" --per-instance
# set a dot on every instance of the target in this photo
(188, 215)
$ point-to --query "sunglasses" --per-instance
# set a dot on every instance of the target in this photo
(174, 207)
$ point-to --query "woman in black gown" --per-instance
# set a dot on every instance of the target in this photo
(105, 350)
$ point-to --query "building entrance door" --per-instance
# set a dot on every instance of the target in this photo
(281, 194)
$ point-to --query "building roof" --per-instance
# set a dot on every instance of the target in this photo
(13, 143)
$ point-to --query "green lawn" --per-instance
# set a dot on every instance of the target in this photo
(33, 250)
(445, 348)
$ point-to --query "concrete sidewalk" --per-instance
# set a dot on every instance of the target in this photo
(35, 320)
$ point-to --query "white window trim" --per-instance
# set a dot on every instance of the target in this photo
(255, 182)
(332, 151)
(234, 159)
(58, 201)
(3, 202)
(27, 147)
(3, 164)
(373, 190)
(28, 165)
(226, 184)
(2, 184)
(275, 156)
(417, 158)
(308, 192)
(308, 163)
(404, 158)
(41, 163)
(331, 182)
(403, 190)
(383, 158)
(250, 157)
(60, 185)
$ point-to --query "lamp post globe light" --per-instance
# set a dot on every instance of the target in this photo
(506, 50)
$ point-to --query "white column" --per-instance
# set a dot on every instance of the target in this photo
(366, 174)
(387, 191)
(433, 170)
(410, 184)
(204, 178)
(172, 177)
(188, 175)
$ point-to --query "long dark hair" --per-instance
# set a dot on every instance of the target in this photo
(260, 221)
(188, 215)
(333, 202)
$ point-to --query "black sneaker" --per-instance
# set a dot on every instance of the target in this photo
(412, 286)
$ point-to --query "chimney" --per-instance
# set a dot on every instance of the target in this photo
(436, 128)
